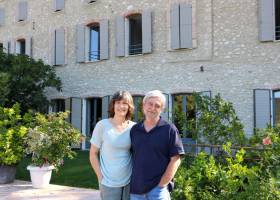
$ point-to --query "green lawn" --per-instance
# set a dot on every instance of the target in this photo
(76, 172)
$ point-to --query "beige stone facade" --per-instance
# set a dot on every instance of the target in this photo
(225, 43)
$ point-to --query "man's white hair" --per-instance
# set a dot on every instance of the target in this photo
(155, 94)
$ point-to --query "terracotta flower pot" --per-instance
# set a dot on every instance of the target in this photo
(40, 176)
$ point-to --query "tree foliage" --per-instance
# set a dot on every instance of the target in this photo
(24, 80)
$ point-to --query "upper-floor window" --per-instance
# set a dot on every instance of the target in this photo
(22, 11)
(269, 20)
(183, 111)
(94, 42)
(135, 34)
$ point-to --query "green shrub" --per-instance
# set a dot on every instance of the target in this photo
(207, 179)
(50, 139)
(12, 134)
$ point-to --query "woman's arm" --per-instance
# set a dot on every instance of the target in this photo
(94, 161)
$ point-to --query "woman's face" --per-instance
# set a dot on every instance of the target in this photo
(121, 108)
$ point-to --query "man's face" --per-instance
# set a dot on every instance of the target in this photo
(152, 108)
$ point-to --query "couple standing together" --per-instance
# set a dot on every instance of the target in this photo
(135, 161)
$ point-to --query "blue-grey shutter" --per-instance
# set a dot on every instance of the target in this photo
(12, 49)
(120, 40)
(6, 47)
(185, 25)
(22, 11)
(262, 108)
(266, 20)
(174, 27)
(165, 113)
(2, 16)
(105, 106)
(29, 45)
(80, 43)
(147, 31)
(58, 5)
(76, 113)
(104, 39)
(59, 47)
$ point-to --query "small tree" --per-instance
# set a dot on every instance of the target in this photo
(27, 78)
(216, 122)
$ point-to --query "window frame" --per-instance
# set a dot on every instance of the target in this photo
(89, 28)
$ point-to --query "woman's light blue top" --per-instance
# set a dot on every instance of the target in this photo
(115, 156)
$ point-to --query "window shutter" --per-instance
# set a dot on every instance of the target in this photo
(22, 11)
(185, 25)
(58, 5)
(174, 27)
(165, 113)
(12, 49)
(2, 16)
(262, 108)
(266, 20)
(6, 47)
(80, 45)
(105, 106)
(76, 113)
(59, 47)
(147, 31)
(120, 40)
(29, 45)
(104, 39)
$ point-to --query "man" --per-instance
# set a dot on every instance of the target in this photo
(156, 150)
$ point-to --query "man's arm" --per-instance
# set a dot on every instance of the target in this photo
(170, 170)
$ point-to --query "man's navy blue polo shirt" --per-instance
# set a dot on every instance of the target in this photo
(151, 153)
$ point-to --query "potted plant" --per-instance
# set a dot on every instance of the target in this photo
(12, 147)
(49, 141)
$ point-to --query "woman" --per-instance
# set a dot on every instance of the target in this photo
(111, 141)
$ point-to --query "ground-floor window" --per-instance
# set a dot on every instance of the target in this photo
(276, 107)
(182, 111)
(58, 105)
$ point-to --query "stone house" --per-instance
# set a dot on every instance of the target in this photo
(229, 47)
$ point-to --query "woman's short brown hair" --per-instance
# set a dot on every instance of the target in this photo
(121, 95)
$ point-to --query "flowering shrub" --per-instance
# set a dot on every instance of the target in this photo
(12, 134)
(206, 179)
(50, 139)
(268, 139)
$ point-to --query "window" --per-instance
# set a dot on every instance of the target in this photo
(277, 19)
(134, 34)
(1, 47)
(58, 105)
(94, 43)
(21, 47)
(269, 20)
(266, 107)
(93, 115)
(276, 107)
(138, 111)
(181, 26)
(183, 111)
(22, 11)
